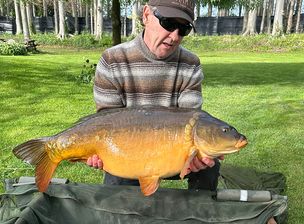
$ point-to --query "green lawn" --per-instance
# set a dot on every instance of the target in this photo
(261, 94)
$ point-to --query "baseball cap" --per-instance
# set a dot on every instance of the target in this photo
(175, 8)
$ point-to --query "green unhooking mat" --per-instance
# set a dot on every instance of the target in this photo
(87, 203)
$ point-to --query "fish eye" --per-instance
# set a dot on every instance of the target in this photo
(225, 129)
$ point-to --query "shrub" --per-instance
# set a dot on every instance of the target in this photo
(7, 48)
(87, 72)
(83, 40)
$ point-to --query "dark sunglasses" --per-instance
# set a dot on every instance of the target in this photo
(170, 24)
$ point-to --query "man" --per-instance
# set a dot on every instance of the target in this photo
(154, 69)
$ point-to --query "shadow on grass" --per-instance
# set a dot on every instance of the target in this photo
(254, 74)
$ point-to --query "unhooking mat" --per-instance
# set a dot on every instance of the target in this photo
(88, 203)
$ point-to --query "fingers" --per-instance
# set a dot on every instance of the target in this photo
(208, 162)
(197, 164)
(95, 162)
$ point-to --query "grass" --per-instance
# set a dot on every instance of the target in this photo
(260, 94)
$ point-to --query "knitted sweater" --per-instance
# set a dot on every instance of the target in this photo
(129, 75)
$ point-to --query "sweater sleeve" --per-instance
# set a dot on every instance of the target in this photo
(107, 91)
(191, 95)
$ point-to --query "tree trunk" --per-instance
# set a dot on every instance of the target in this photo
(95, 16)
(290, 16)
(75, 15)
(18, 17)
(61, 11)
(87, 8)
(99, 20)
(29, 10)
(209, 14)
(299, 5)
(116, 24)
(125, 22)
(265, 5)
(1, 8)
(277, 28)
(44, 5)
(251, 24)
(223, 12)
(135, 9)
(55, 3)
(245, 20)
(269, 14)
(92, 17)
(25, 27)
(33, 9)
(80, 8)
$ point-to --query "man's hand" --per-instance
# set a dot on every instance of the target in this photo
(95, 162)
(197, 164)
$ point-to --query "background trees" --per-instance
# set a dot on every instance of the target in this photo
(277, 16)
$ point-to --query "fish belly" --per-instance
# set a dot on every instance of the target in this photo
(136, 154)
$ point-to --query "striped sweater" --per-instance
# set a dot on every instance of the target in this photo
(130, 75)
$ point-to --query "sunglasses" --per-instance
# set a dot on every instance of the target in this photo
(170, 24)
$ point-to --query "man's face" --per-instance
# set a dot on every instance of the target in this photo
(161, 42)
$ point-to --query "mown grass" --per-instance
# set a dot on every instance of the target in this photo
(262, 95)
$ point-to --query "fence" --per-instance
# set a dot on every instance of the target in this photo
(204, 25)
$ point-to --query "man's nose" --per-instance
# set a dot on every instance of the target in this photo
(175, 36)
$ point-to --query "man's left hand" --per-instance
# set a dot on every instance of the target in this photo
(201, 164)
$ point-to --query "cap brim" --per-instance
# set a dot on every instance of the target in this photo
(170, 12)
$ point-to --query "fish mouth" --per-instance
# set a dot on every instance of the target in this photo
(242, 142)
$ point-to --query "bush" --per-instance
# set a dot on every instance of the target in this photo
(87, 72)
(83, 40)
(7, 48)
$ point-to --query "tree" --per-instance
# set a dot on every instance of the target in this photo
(75, 15)
(209, 10)
(269, 13)
(299, 6)
(92, 17)
(56, 22)
(277, 28)
(61, 33)
(25, 27)
(87, 12)
(99, 19)
(136, 18)
(44, 4)
(18, 17)
(252, 16)
(265, 5)
(116, 23)
(290, 16)
(29, 12)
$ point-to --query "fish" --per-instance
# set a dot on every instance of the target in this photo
(144, 143)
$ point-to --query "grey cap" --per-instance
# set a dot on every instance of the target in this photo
(175, 8)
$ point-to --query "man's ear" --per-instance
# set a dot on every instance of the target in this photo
(146, 12)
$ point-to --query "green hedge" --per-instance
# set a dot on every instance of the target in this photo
(12, 49)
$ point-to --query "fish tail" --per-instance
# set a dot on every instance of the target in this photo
(33, 152)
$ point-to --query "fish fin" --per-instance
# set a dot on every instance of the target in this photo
(149, 185)
(191, 156)
(34, 152)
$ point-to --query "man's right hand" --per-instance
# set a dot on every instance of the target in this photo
(95, 162)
